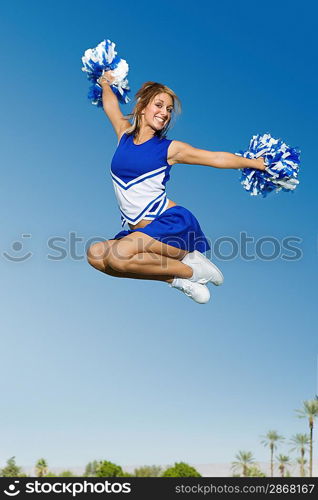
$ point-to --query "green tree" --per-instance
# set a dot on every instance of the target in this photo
(283, 460)
(11, 469)
(254, 471)
(181, 469)
(243, 460)
(41, 468)
(300, 443)
(66, 473)
(90, 470)
(310, 411)
(108, 469)
(148, 471)
(271, 440)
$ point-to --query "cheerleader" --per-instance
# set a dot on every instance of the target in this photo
(164, 241)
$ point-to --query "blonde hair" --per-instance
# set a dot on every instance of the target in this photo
(143, 97)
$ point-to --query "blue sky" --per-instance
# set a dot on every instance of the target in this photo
(95, 367)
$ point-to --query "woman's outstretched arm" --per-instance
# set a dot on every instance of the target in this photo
(181, 152)
(111, 105)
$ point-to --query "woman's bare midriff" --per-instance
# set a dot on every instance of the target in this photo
(145, 222)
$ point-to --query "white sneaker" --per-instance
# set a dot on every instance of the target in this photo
(203, 269)
(197, 292)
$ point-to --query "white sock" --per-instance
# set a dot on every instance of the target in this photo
(177, 282)
(193, 277)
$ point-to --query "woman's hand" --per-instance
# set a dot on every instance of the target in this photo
(260, 162)
(107, 78)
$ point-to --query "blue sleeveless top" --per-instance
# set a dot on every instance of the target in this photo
(139, 173)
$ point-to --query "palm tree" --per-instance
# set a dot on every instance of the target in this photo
(283, 461)
(243, 460)
(41, 467)
(271, 440)
(310, 411)
(300, 442)
(302, 462)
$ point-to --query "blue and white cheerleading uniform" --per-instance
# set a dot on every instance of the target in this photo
(140, 173)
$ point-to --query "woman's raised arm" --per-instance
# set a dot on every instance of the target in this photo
(181, 152)
(111, 106)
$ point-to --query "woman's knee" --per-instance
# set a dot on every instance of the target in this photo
(97, 254)
(119, 255)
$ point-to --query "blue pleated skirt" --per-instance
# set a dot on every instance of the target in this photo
(177, 227)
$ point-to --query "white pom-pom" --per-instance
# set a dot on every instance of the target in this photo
(104, 58)
(282, 166)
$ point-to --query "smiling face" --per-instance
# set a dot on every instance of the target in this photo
(157, 113)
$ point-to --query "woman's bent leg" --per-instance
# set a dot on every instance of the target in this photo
(97, 256)
(141, 254)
